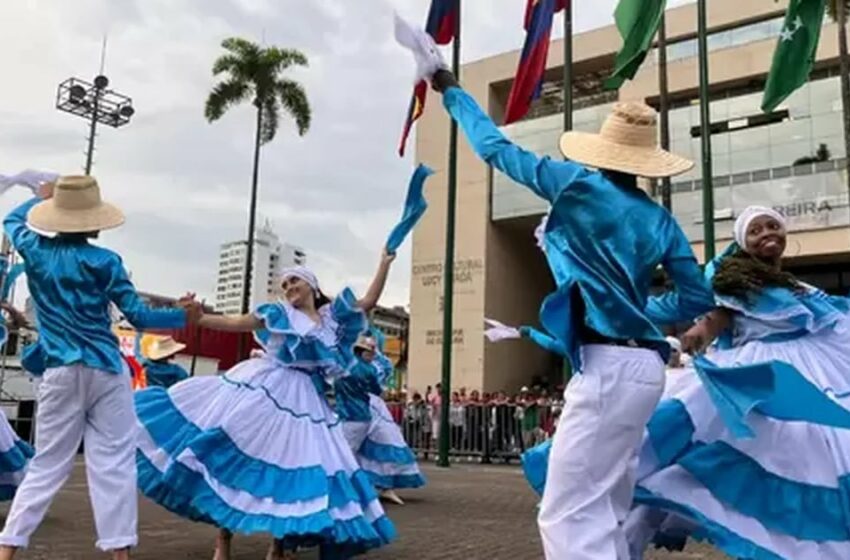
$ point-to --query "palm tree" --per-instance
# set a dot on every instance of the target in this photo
(256, 73)
(838, 10)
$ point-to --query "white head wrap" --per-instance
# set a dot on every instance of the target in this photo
(303, 273)
(674, 343)
(742, 224)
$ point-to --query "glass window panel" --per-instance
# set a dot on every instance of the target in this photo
(720, 40)
(823, 94)
(786, 153)
(826, 125)
(749, 139)
(682, 50)
(680, 123)
(749, 160)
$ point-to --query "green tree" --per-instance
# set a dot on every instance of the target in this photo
(252, 72)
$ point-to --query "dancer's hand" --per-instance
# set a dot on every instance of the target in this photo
(696, 339)
(193, 308)
(443, 80)
(387, 257)
(45, 190)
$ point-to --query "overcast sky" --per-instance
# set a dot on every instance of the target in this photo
(183, 183)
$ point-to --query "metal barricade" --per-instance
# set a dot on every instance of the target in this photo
(477, 432)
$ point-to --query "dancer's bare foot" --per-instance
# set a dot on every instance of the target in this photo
(392, 496)
(222, 545)
(7, 552)
(123, 554)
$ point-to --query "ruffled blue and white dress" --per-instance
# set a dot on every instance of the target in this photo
(385, 456)
(373, 435)
(15, 453)
(783, 494)
(259, 449)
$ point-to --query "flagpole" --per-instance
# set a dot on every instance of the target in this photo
(705, 133)
(568, 65)
(663, 108)
(448, 266)
(568, 102)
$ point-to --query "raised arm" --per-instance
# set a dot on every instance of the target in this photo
(17, 318)
(123, 294)
(693, 296)
(542, 175)
(231, 323)
(376, 288)
(15, 224)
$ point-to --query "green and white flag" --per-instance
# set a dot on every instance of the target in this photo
(637, 22)
(795, 51)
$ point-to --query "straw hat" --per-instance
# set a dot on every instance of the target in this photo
(164, 347)
(76, 207)
(627, 142)
(365, 343)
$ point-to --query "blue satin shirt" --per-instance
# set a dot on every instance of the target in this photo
(163, 374)
(352, 392)
(603, 241)
(72, 284)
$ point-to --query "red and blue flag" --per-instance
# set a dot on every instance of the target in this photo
(441, 24)
(532, 63)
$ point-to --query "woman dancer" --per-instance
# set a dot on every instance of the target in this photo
(258, 449)
(14, 452)
(783, 493)
(384, 454)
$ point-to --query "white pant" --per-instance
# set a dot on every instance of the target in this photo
(76, 403)
(590, 479)
(355, 434)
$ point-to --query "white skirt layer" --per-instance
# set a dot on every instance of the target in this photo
(797, 452)
(256, 450)
(14, 455)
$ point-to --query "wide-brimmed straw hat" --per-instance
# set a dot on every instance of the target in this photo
(164, 347)
(627, 142)
(76, 207)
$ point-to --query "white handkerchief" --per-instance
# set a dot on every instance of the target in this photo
(424, 49)
(30, 179)
(498, 332)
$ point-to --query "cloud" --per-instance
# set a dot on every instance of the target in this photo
(184, 183)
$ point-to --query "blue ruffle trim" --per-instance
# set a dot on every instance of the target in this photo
(196, 500)
(227, 463)
(16, 457)
(397, 481)
(308, 352)
(722, 537)
(382, 453)
(810, 312)
(803, 511)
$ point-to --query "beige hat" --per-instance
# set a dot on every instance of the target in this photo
(628, 142)
(164, 347)
(365, 343)
(76, 207)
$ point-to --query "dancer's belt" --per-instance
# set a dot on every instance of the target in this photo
(590, 336)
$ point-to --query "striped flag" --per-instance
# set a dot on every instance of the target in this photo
(532, 63)
(442, 18)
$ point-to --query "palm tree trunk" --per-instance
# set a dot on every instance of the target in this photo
(252, 218)
(844, 65)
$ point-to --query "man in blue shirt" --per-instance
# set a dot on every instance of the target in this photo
(84, 392)
(160, 370)
(604, 239)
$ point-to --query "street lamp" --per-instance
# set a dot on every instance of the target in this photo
(92, 101)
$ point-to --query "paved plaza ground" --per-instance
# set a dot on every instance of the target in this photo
(468, 511)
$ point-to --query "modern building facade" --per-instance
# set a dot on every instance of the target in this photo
(270, 255)
(792, 159)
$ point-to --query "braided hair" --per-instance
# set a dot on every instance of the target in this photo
(743, 276)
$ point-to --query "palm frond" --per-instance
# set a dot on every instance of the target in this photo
(269, 119)
(228, 63)
(242, 48)
(294, 101)
(223, 96)
(281, 59)
(832, 8)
